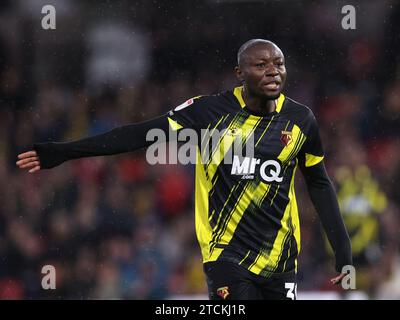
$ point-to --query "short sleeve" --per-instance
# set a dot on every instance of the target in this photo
(312, 151)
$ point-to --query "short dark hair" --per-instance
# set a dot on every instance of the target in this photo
(249, 44)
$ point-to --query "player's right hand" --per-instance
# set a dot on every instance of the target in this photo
(29, 160)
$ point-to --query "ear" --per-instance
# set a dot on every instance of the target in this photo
(239, 74)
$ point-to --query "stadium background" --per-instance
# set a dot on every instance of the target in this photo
(118, 228)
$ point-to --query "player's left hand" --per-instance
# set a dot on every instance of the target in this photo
(338, 279)
(29, 160)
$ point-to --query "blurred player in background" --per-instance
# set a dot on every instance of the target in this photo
(364, 207)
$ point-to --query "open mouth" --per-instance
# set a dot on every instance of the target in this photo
(274, 85)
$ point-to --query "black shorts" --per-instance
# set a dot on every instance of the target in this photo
(229, 281)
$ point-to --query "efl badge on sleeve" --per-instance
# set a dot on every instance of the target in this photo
(184, 105)
(223, 292)
(286, 138)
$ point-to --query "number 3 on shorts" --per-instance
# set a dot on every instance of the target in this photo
(292, 290)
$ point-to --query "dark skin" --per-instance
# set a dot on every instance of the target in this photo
(261, 70)
(263, 74)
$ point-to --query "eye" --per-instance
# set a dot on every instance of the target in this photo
(260, 65)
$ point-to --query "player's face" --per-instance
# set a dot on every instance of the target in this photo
(263, 70)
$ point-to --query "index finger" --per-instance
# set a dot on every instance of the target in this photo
(338, 279)
(27, 154)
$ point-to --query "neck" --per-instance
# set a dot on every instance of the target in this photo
(258, 104)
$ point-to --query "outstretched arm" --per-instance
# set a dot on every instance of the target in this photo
(121, 139)
(323, 196)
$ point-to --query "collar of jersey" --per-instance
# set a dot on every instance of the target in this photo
(238, 94)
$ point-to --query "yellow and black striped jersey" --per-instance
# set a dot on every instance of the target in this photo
(246, 210)
(361, 201)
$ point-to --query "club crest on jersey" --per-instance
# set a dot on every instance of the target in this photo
(286, 138)
(223, 292)
(234, 131)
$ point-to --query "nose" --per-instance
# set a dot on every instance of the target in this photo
(271, 70)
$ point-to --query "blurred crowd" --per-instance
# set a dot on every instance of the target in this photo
(119, 228)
